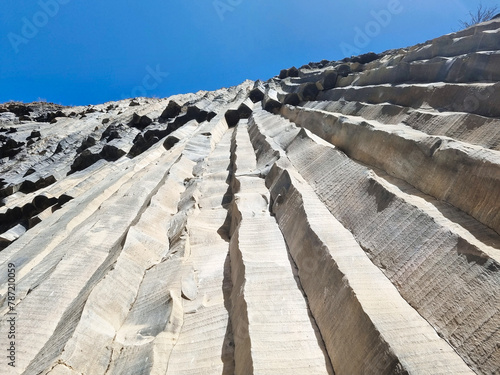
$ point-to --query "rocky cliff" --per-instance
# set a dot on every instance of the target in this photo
(341, 218)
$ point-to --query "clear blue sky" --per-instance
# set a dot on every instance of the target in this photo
(76, 52)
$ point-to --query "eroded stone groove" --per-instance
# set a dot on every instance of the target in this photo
(342, 217)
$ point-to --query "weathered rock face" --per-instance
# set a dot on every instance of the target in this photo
(341, 218)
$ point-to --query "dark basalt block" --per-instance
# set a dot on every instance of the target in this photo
(283, 74)
(42, 202)
(330, 80)
(34, 134)
(244, 111)
(49, 116)
(9, 147)
(293, 72)
(232, 117)
(64, 198)
(83, 161)
(29, 186)
(140, 145)
(18, 109)
(343, 70)
(173, 110)
(170, 142)
(292, 99)
(140, 122)
(86, 143)
(365, 58)
(111, 132)
(272, 105)
(256, 95)
(210, 116)
(111, 153)
(309, 91)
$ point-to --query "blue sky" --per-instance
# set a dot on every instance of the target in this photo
(76, 52)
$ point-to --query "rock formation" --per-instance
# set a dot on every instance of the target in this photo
(343, 217)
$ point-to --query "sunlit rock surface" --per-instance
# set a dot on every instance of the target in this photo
(340, 218)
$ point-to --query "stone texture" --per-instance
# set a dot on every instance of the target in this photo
(340, 218)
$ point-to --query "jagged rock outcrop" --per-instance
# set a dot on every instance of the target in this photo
(343, 217)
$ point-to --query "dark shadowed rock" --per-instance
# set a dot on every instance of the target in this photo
(142, 142)
(192, 113)
(201, 116)
(232, 117)
(343, 70)
(140, 145)
(271, 102)
(84, 160)
(49, 116)
(170, 142)
(9, 147)
(41, 202)
(173, 110)
(293, 72)
(330, 80)
(292, 99)
(34, 134)
(18, 109)
(63, 199)
(210, 116)
(28, 210)
(244, 111)
(155, 133)
(256, 95)
(86, 143)
(112, 132)
(60, 147)
(29, 186)
(140, 122)
(308, 91)
(111, 153)
(29, 171)
(10, 217)
(365, 58)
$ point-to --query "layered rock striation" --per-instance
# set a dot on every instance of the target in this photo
(340, 218)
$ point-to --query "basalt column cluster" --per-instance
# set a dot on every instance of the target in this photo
(340, 218)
